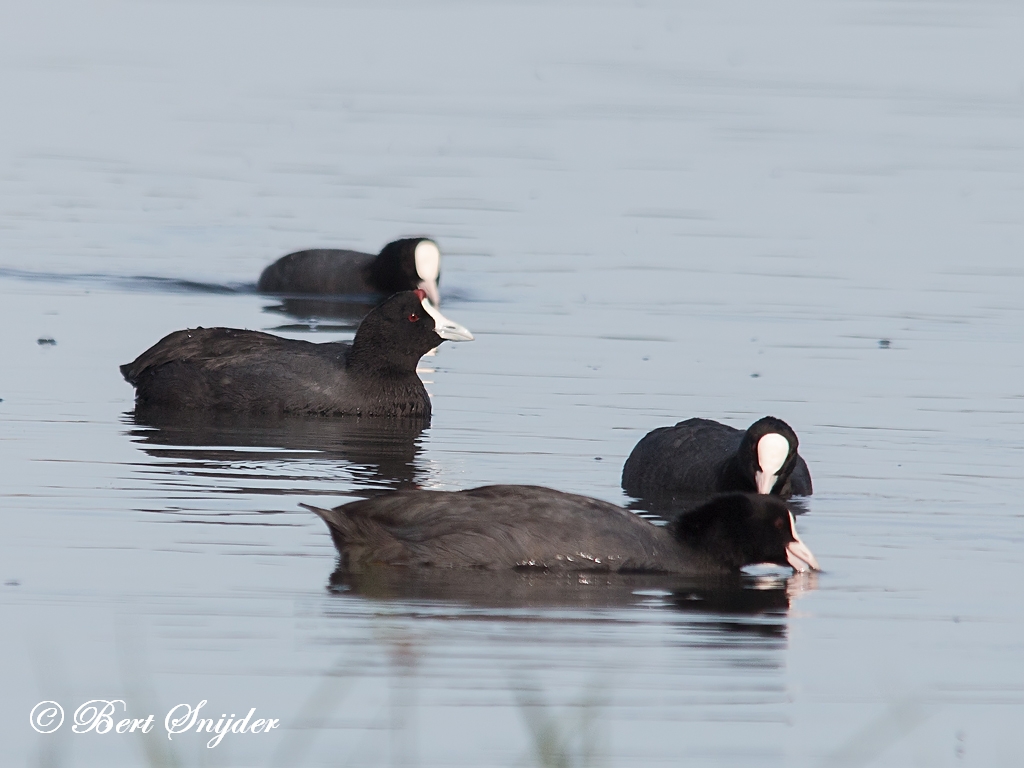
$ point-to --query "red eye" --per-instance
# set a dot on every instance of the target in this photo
(414, 318)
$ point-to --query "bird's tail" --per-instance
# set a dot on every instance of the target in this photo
(338, 522)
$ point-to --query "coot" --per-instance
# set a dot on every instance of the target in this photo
(249, 371)
(703, 456)
(403, 265)
(527, 527)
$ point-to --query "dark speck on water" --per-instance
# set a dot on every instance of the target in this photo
(46, 342)
(883, 343)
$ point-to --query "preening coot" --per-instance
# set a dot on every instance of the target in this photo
(703, 456)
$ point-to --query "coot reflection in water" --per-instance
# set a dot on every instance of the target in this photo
(669, 508)
(323, 313)
(381, 454)
(756, 606)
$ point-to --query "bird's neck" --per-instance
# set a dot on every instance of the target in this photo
(365, 357)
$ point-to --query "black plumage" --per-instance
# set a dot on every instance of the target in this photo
(254, 372)
(351, 273)
(702, 456)
(504, 527)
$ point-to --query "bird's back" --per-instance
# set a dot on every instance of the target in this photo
(238, 370)
(319, 271)
(501, 527)
(686, 458)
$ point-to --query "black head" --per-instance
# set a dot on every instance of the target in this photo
(738, 529)
(407, 265)
(767, 455)
(403, 329)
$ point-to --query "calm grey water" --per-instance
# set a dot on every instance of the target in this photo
(648, 212)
